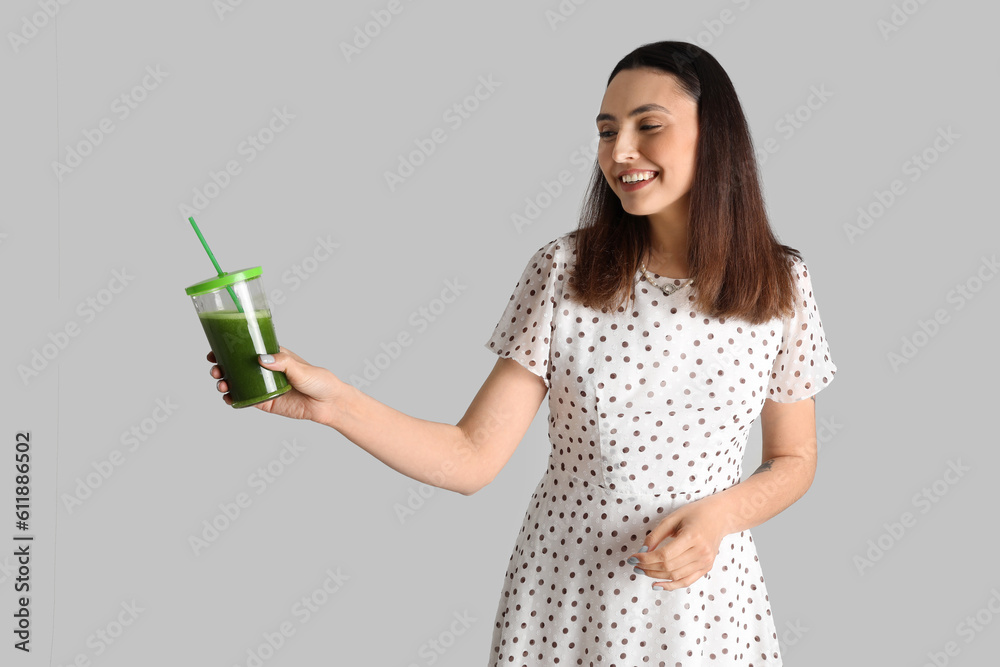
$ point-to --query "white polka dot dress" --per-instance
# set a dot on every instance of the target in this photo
(650, 407)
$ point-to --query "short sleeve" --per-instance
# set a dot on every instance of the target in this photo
(803, 366)
(525, 329)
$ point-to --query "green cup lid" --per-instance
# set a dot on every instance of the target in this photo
(225, 280)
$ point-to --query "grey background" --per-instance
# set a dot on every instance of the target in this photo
(885, 433)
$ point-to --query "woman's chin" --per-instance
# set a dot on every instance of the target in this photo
(633, 209)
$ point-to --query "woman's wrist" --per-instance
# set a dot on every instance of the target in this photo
(767, 492)
(337, 406)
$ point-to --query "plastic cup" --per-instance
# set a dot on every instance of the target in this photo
(238, 337)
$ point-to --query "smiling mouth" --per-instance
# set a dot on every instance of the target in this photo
(638, 177)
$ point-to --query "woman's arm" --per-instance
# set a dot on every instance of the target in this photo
(788, 454)
(462, 457)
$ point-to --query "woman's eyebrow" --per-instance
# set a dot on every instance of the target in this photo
(635, 112)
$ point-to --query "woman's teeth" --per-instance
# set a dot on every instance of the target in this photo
(635, 178)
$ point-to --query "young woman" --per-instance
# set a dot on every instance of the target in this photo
(660, 329)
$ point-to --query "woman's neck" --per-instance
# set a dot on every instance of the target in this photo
(668, 248)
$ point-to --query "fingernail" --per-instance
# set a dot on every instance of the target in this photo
(633, 561)
(637, 570)
(659, 588)
(267, 359)
(644, 549)
(217, 384)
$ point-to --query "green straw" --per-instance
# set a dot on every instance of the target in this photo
(218, 268)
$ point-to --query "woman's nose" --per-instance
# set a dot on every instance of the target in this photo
(624, 148)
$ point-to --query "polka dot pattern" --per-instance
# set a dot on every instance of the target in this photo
(650, 407)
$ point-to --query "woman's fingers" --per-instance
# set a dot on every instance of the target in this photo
(680, 582)
(293, 355)
(677, 574)
(682, 565)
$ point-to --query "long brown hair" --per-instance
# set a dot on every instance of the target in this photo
(740, 269)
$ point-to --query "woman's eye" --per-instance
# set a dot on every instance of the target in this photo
(607, 133)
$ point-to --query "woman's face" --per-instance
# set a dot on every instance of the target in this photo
(648, 123)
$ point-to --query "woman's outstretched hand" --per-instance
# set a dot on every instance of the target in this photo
(312, 396)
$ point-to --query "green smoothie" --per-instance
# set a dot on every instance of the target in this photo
(237, 338)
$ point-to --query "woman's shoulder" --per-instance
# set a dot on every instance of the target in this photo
(551, 262)
(560, 250)
(795, 265)
(798, 265)
(796, 262)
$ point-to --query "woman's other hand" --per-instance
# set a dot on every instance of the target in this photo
(696, 529)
